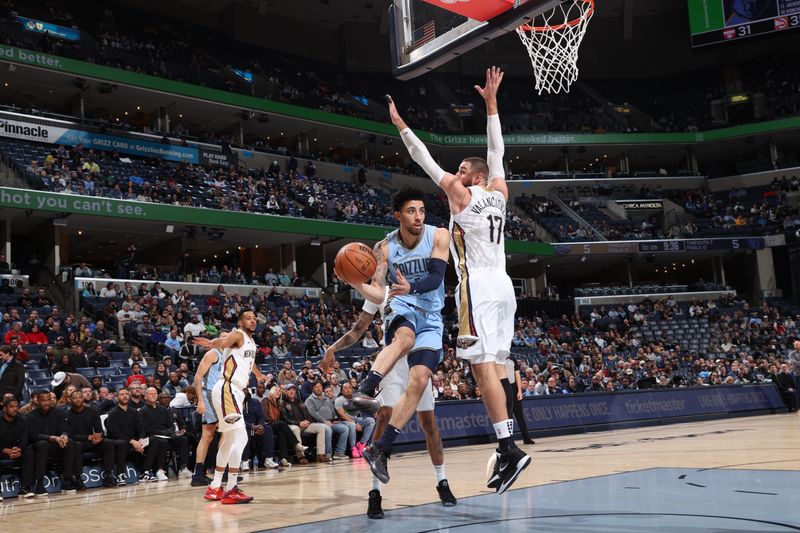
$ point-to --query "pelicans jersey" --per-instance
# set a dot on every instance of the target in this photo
(237, 363)
(228, 392)
(485, 297)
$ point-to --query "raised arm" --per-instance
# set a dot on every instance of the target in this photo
(232, 340)
(494, 133)
(457, 194)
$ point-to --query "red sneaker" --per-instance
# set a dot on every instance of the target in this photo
(214, 495)
(235, 496)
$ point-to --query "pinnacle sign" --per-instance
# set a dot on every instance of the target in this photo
(21, 130)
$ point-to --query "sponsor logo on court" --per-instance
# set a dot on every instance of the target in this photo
(781, 23)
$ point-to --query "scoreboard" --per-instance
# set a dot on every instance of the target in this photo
(716, 21)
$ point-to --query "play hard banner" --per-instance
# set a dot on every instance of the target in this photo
(52, 134)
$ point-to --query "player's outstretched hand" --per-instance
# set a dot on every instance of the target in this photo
(202, 342)
(494, 76)
(393, 114)
(401, 287)
(327, 361)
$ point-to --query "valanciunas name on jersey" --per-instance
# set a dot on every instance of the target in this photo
(489, 201)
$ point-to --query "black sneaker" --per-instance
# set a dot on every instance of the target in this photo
(374, 509)
(376, 458)
(528, 441)
(26, 492)
(200, 481)
(361, 401)
(147, 476)
(68, 486)
(40, 491)
(109, 482)
(494, 477)
(79, 486)
(511, 464)
(443, 488)
(121, 480)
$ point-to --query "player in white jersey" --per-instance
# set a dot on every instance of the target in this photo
(392, 386)
(238, 357)
(477, 196)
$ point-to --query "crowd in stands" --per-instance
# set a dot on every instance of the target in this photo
(753, 211)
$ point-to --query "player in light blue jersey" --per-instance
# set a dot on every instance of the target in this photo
(413, 259)
(208, 373)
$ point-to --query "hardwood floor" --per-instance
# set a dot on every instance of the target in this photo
(312, 493)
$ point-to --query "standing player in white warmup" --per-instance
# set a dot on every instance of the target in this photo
(238, 355)
(391, 387)
(485, 300)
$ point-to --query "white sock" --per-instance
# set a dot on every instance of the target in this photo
(217, 481)
(504, 429)
(231, 480)
(439, 469)
(376, 483)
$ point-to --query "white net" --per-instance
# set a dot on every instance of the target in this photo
(553, 40)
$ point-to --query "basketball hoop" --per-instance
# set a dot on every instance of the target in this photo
(553, 39)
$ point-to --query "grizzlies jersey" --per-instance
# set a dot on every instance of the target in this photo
(212, 376)
(477, 241)
(413, 263)
(237, 363)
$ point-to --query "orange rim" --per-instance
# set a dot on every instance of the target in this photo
(557, 27)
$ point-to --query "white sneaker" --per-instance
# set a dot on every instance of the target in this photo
(161, 476)
(184, 473)
(269, 463)
(245, 466)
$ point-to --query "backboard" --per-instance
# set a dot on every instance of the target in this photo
(428, 33)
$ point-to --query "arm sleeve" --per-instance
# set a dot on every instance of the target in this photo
(370, 307)
(496, 148)
(420, 154)
(432, 279)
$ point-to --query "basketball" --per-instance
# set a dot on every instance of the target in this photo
(355, 263)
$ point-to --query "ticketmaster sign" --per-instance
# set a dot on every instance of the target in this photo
(465, 419)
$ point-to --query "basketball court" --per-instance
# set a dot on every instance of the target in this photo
(739, 474)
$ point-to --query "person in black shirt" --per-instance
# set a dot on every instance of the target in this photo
(104, 403)
(99, 357)
(124, 423)
(48, 433)
(157, 425)
(179, 441)
(12, 373)
(85, 427)
(14, 445)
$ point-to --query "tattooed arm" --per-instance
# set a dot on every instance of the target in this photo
(347, 340)
(375, 291)
(355, 332)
